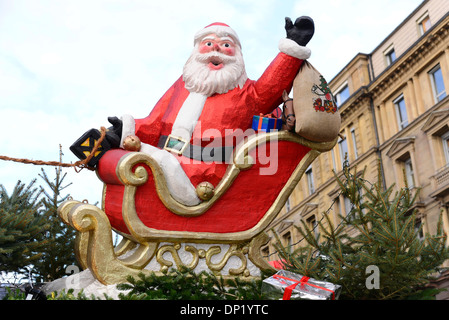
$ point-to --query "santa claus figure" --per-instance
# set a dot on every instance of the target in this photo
(193, 129)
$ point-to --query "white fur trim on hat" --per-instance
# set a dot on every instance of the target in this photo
(220, 29)
(293, 49)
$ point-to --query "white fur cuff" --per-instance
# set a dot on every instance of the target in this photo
(293, 49)
(129, 127)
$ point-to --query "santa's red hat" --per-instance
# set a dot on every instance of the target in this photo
(220, 29)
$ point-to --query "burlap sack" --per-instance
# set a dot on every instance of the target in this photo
(317, 116)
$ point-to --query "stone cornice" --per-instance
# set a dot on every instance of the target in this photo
(403, 65)
(416, 53)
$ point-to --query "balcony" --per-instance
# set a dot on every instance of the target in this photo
(440, 182)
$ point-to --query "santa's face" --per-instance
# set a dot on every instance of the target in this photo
(213, 43)
(215, 66)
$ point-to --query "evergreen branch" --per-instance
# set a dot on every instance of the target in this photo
(387, 236)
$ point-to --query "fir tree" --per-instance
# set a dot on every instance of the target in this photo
(58, 254)
(21, 224)
(386, 241)
(185, 284)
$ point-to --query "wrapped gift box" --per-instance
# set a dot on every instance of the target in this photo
(266, 123)
(287, 285)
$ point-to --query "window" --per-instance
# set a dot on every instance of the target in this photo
(287, 240)
(342, 206)
(409, 174)
(310, 182)
(402, 153)
(390, 55)
(343, 146)
(445, 140)
(436, 77)
(313, 225)
(354, 143)
(342, 95)
(419, 230)
(287, 205)
(401, 112)
(334, 164)
(348, 206)
(424, 24)
(336, 207)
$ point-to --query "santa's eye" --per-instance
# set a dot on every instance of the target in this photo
(227, 45)
(209, 44)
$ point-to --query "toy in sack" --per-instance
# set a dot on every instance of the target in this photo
(288, 113)
(287, 285)
(317, 116)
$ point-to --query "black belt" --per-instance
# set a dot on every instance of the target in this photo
(207, 154)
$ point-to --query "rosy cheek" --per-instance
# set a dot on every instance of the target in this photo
(204, 49)
(229, 51)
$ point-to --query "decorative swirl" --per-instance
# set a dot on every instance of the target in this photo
(173, 249)
(232, 251)
(139, 176)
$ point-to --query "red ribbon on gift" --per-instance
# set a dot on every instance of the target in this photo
(261, 116)
(304, 281)
(260, 121)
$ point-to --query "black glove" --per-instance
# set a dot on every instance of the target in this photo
(302, 31)
(114, 133)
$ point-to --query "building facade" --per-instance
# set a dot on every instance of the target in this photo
(395, 111)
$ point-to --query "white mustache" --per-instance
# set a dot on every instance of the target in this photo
(207, 57)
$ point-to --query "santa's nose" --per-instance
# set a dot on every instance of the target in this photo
(216, 47)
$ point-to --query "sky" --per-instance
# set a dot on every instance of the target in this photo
(66, 66)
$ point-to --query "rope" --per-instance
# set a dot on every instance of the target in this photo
(82, 164)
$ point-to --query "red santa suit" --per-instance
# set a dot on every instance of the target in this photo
(217, 117)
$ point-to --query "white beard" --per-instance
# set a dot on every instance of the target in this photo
(200, 79)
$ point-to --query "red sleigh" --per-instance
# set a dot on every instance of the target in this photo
(138, 205)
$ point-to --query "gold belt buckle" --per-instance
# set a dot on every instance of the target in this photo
(175, 144)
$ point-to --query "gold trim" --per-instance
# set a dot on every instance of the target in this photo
(141, 256)
(124, 246)
(241, 161)
(81, 239)
(233, 250)
(97, 250)
(173, 249)
(238, 250)
(254, 253)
